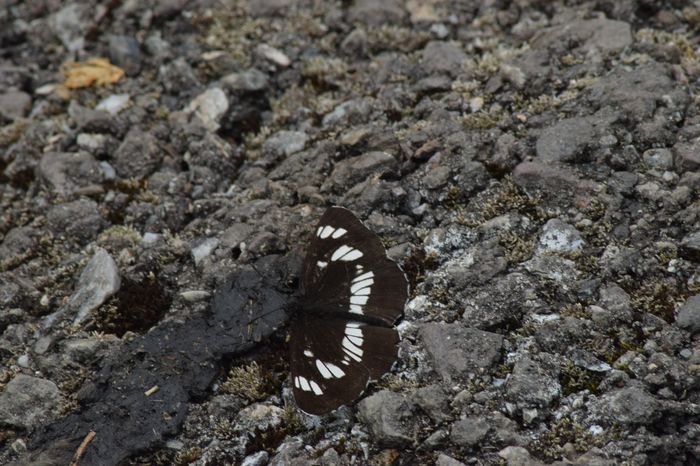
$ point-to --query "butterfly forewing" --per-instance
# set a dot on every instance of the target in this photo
(333, 359)
(346, 271)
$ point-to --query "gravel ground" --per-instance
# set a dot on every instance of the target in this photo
(534, 166)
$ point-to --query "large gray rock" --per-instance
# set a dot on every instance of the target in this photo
(457, 351)
(389, 417)
(546, 177)
(688, 316)
(560, 238)
(690, 246)
(469, 432)
(283, 144)
(138, 156)
(433, 401)
(376, 12)
(636, 92)
(629, 405)
(440, 57)
(687, 155)
(531, 385)
(565, 141)
(28, 402)
(350, 171)
(66, 172)
(125, 52)
(593, 36)
(14, 104)
(78, 221)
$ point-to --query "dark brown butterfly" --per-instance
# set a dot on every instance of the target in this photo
(351, 295)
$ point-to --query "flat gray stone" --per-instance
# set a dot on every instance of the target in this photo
(690, 246)
(601, 35)
(688, 316)
(389, 417)
(518, 456)
(125, 52)
(629, 405)
(560, 238)
(66, 172)
(285, 143)
(250, 80)
(531, 385)
(661, 159)
(546, 177)
(351, 171)
(636, 92)
(77, 221)
(440, 57)
(376, 12)
(14, 104)
(469, 432)
(456, 351)
(565, 141)
(444, 460)
(28, 402)
(687, 155)
(138, 155)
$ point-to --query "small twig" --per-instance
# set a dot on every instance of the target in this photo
(81, 449)
(151, 390)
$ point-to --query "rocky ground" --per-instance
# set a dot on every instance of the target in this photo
(534, 166)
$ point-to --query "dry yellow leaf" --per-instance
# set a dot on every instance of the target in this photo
(97, 71)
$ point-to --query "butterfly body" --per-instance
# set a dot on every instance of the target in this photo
(342, 334)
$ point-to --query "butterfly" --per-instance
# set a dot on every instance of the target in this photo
(351, 294)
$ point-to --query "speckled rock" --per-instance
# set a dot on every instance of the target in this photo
(389, 417)
(69, 172)
(28, 402)
(688, 316)
(457, 351)
(532, 384)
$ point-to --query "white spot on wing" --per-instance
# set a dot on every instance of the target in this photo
(361, 284)
(296, 382)
(350, 346)
(325, 372)
(327, 230)
(339, 232)
(356, 340)
(353, 325)
(304, 384)
(352, 255)
(340, 252)
(352, 355)
(355, 309)
(364, 276)
(346, 254)
(337, 371)
(363, 291)
(356, 332)
(309, 354)
(314, 386)
(361, 300)
(318, 232)
(321, 264)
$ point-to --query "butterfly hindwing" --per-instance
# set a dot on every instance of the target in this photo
(346, 271)
(333, 359)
